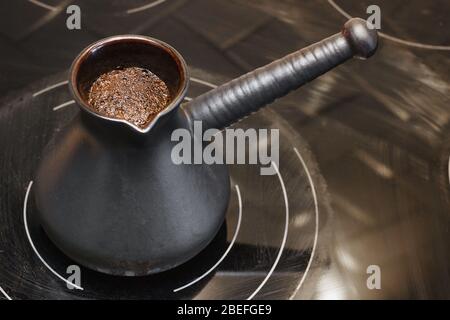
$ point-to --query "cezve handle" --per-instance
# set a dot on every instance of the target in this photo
(238, 98)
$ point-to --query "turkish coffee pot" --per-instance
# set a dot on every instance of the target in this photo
(109, 195)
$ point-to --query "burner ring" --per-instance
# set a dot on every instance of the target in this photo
(316, 231)
(145, 7)
(43, 5)
(392, 38)
(230, 246)
(5, 294)
(262, 280)
(30, 240)
(285, 234)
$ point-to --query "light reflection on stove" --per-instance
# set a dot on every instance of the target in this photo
(332, 287)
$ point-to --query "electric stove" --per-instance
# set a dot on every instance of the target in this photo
(363, 176)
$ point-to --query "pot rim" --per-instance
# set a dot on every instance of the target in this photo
(178, 58)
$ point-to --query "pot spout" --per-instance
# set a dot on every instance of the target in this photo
(238, 98)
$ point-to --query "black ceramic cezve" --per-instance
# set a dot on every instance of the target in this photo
(108, 193)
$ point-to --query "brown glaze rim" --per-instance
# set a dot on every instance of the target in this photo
(176, 101)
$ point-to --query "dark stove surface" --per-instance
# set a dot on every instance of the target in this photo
(363, 176)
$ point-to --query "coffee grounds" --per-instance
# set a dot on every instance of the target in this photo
(133, 94)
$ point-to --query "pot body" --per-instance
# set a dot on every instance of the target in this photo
(114, 201)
